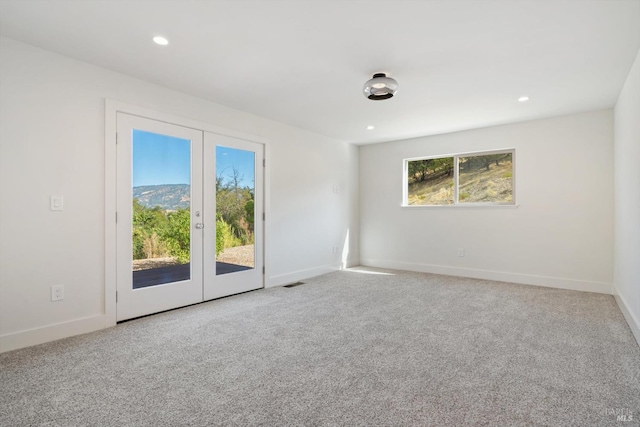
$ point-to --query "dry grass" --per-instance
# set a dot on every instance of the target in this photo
(239, 255)
(149, 263)
(476, 186)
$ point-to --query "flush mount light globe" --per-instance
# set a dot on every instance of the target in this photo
(380, 87)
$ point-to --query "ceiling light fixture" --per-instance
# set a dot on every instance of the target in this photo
(160, 40)
(523, 99)
(370, 127)
(380, 87)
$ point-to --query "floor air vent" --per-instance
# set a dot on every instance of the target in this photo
(294, 284)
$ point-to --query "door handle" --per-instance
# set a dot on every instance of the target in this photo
(199, 226)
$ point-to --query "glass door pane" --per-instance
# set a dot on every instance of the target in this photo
(159, 227)
(235, 210)
(161, 210)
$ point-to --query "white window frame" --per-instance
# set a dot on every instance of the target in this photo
(456, 167)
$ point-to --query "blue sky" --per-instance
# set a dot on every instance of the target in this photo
(161, 159)
(228, 158)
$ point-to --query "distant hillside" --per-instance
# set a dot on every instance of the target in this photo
(168, 197)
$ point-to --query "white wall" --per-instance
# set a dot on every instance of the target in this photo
(52, 133)
(560, 235)
(627, 199)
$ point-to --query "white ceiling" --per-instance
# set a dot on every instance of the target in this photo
(460, 64)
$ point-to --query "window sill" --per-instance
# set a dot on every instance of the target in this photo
(460, 206)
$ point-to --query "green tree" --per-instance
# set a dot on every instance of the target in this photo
(177, 235)
(249, 210)
(220, 230)
(443, 165)
(419, 169)
(235, 207)
(483, 162)
(146, 222)
(225, 236)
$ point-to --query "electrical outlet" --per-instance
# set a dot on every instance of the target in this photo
(335, 249)
(460, 251)
(57, 293)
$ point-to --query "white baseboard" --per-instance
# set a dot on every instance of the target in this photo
(353, 262)
(27, 338)
(48, 333)
(500, 276)
(632, 320)
(285, 279)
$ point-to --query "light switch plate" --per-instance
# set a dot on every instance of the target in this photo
(57, 203)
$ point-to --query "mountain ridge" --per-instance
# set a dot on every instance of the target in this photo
(170, 197)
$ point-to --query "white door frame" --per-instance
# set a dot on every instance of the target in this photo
(111, 109)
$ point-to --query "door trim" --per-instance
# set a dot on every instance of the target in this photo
(112, 107)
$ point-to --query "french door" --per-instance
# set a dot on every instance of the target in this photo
(189, 216)
(233, 249)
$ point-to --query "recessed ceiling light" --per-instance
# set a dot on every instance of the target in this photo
(370, 127)
(160, 40)
(523, 99)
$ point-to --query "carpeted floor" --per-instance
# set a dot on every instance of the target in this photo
(348, 348)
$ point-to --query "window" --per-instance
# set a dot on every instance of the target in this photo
(485, 178)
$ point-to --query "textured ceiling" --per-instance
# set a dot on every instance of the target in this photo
(460, 64)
